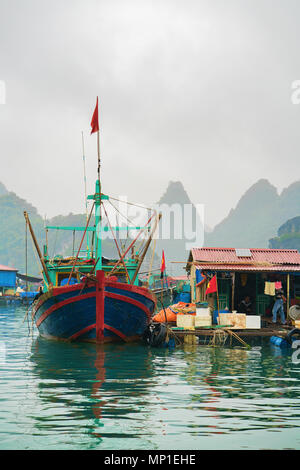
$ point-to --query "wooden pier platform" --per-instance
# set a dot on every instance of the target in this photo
(269, 329)
(262, 332)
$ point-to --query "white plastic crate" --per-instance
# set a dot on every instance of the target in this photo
(203, 320)
(253, 322)
(185, 321)
(202, 311)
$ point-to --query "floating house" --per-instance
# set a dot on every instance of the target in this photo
(7, 280)
(245, 272)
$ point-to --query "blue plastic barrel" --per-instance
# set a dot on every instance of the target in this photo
(280, 342)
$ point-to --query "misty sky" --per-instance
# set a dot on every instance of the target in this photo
(190, 90)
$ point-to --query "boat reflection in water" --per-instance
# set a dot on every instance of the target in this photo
(95, 386)
(129, 396)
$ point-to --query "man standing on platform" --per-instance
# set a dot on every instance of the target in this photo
(278, 307)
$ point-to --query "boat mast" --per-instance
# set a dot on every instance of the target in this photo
(98, 256)
(98, 247)
(97, 197)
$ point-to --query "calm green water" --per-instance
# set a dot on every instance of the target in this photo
(79, 396)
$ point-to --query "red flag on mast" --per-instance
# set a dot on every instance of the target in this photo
(163, 265)
(95, 120)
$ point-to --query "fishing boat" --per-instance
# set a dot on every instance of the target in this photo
(88, 297)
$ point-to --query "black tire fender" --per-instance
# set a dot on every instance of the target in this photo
(289, 337)
(155, 334)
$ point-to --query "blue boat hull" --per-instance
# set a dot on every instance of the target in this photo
(69, 313)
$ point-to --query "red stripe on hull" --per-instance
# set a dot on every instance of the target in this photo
(115, 331)
(118, 285)
(136, 289)
(129, 300)
(61, 304)
(77, 287)
(82, 332)
(123, 298)
(91, 327)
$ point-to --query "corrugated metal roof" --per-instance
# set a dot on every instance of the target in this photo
(262, 259)
(6, 268)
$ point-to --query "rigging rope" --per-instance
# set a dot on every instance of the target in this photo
(125, 217)
(83, 236)
(131, 244)
(132, 223)
(131, 204)
(123, 262)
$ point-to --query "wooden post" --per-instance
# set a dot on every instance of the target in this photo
(46, 251)
(26, 256)
(38, 249)
(193, 283)
(100, 295)
(232, 293)
(287, 295)
(218, 297)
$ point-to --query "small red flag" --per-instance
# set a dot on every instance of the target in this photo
(163, 264)
(95, 121)
(211, 286)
